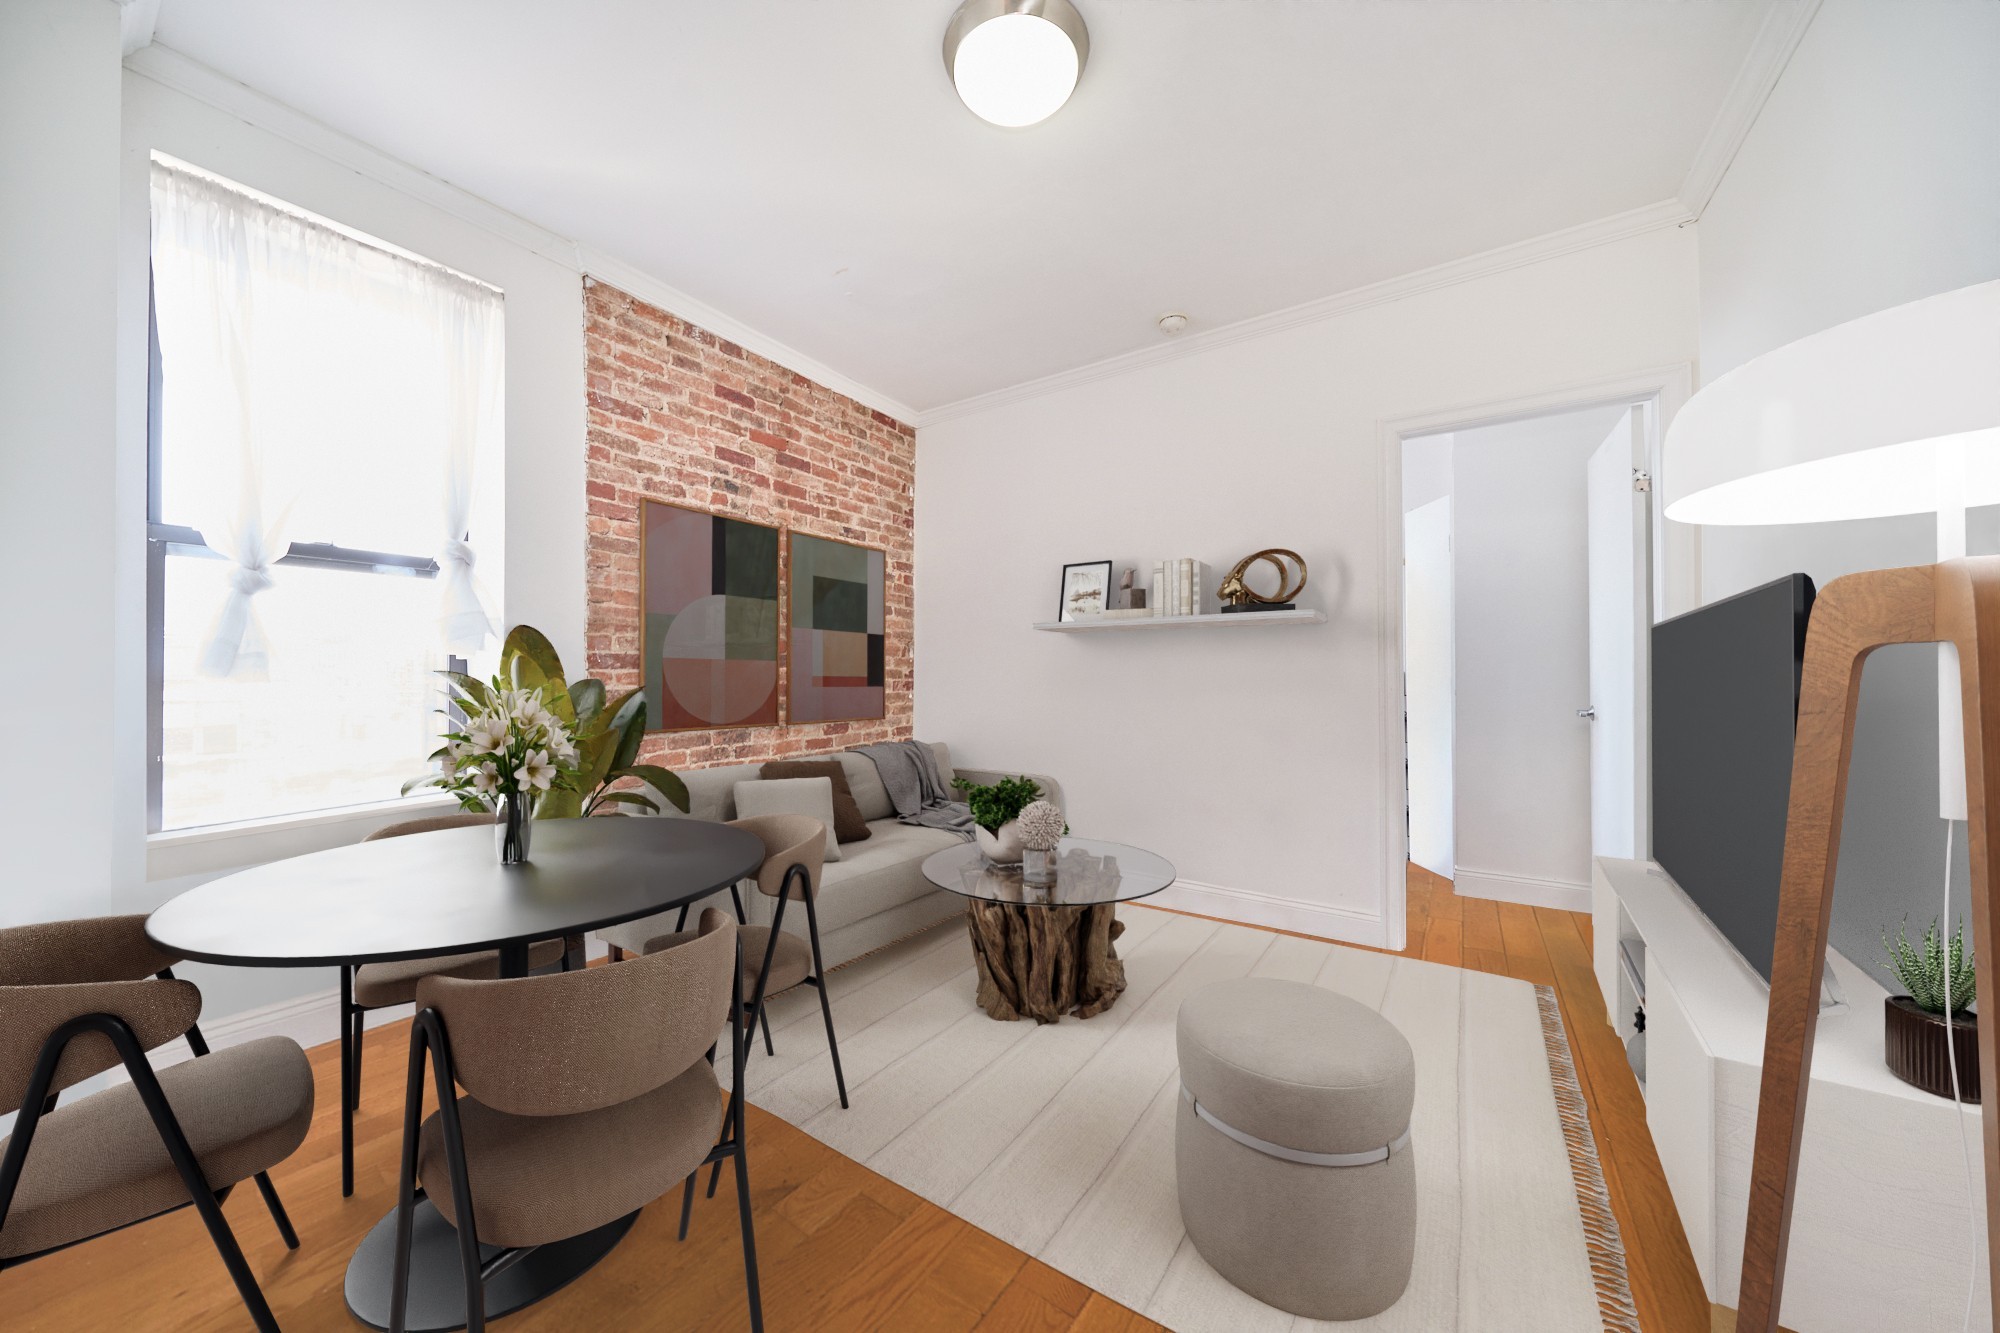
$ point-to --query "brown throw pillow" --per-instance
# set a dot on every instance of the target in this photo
(848, 825)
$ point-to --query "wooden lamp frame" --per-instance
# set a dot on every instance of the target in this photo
(1956, 602)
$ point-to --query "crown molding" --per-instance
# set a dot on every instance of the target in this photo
(136, 21)
(1618, 227)
(1784, 26)
(170, 68)
(617, 273)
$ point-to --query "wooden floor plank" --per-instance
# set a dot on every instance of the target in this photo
(1442, 941)
(1480, 918)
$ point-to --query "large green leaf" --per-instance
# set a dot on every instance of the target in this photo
(559, 804)
(630, 725)
(596, 758)
(660, 780)
(422, 780)
(587, 696)
(471, 687)
(629, 798)
(530, 661)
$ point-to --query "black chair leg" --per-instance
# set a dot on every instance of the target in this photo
(360, 1044)
(764, 1016)
(825, 1006)
(348, 1047)
(749, 1240)
(277, 1207)
(715, 1169)
(687, 1203)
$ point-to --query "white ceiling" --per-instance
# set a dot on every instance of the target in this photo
(806, 168)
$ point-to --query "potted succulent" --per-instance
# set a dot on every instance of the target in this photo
(994, 809)
(1940, 981)
(534, 746)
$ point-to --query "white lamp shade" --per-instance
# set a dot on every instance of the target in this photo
(1015, 62)
(1897, 412)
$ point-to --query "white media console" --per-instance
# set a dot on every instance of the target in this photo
(1882, 1235)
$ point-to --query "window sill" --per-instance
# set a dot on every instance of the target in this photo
(218, 848)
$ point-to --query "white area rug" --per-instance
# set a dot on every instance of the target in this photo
(1059, 1139)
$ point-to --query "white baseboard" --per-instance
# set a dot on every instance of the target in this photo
(1527, 890)
(1262, 909)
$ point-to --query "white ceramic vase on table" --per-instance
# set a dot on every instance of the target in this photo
(1002, 848)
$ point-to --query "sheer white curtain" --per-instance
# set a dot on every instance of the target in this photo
(320, 388)
(469, 335)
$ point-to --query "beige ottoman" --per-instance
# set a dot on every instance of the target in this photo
(1292, 1146)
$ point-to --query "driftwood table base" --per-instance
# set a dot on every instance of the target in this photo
(1044, 962)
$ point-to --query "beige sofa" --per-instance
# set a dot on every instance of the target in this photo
(875, 893)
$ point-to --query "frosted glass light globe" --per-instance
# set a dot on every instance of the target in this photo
(1015, 62)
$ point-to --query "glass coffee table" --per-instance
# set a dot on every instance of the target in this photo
(1045, 949)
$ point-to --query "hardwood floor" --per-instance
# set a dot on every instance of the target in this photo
(839, 1247)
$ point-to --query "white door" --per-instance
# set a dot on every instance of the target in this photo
(1427, 681)
(1620, 621)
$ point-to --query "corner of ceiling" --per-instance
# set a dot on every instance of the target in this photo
(1784, 26)
(1602, 231)
(166, 66)
(594, 263)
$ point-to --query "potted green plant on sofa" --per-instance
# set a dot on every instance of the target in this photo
(1939, 979)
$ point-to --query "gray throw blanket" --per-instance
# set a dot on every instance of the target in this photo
(910, 773)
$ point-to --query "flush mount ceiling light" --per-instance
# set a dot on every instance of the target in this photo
(1015, 62)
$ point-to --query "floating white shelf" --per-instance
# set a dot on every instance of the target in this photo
(1186, 622)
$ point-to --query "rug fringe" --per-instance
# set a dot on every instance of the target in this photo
(1600, 1225)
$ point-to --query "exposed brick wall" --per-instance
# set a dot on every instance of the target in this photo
(681, 415)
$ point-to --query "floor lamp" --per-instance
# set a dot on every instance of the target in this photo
(1894, 413)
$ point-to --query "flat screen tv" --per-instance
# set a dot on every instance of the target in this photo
(1725, 707)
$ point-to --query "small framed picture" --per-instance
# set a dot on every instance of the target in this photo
(1086, 590)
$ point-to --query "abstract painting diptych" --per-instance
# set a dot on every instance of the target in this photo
(835, 642)
(711, 644)
(709, 586)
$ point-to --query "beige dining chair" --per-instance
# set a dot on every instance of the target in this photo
(80, 997)
(383, 985)
(775, 959)
(587, 1095)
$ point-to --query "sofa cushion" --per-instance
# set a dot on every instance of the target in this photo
(865, 781)
(712, 791)
(884, 872)
(849, 824)
(791, 796)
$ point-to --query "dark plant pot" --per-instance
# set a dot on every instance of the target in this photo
(1913, 1046)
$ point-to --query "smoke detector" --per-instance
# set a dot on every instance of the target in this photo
(1173, 325)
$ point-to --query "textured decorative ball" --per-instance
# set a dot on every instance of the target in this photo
(1041, 826)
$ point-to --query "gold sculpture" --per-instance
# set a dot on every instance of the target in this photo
(1235, 592)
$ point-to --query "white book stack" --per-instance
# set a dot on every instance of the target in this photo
(1180, 587)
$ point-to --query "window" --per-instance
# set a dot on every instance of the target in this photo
(321, 404)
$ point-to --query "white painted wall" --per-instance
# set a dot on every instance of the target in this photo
(1871, 178)
(1428, 665)
(1426, 469)
(1264, 761)
(58, 423)
(1520, 565)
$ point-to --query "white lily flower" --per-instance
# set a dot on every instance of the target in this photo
(535, 771)
(487, 734)
(485, 778)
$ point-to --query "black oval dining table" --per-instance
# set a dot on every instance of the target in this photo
(445, 892)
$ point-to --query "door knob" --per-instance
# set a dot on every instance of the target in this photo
(1590, 712)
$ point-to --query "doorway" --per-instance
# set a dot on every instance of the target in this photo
(1526, 598)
